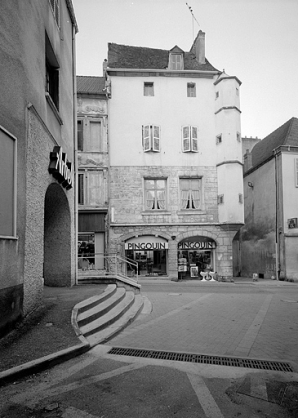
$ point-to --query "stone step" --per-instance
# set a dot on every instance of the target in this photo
(103, 307)
(89, 303)
(116, 327)
(110, 316)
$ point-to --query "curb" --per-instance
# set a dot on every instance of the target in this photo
(43, 363)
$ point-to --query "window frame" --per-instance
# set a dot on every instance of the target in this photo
(151, 141)
(84, 135)
(155, 189)
(148, 89)
(220, 199)
(191, 90)
(55, 7)
(52, 84)
(190, 137)
(14, 185)
(175, 64)
(83, 182)
(218, 139)
(190, 194)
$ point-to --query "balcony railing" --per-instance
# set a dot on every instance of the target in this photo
(99, 264)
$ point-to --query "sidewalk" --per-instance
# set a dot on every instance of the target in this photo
(47, 334)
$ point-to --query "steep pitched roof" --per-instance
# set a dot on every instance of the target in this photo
(135, 57)
(287, 134)
(90, 85)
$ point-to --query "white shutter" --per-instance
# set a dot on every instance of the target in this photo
(156, 138)
(146, 138)
(185, 138)
(194, 139)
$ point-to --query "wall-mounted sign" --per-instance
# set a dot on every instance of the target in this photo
(61, 168)
(146, 243)
(292, 223)
(197, 243)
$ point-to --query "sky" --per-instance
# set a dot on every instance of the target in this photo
(254, 40)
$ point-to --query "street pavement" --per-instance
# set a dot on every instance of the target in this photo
(242, 320)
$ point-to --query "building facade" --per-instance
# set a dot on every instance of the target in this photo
(176, 190)
(269, 239)
(37, 134)
(93, 172)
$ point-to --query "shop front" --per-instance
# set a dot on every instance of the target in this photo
(150, 252)
(196, 255)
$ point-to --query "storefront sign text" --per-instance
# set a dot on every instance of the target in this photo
(146, 245)
(196, 245)
(61, 168)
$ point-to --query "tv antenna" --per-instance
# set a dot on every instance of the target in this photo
(193, 19)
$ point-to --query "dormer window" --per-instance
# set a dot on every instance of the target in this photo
(176, 59)
(176, 62)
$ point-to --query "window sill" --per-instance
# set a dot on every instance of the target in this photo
(156, 212)
(54, 108)
(192, 212)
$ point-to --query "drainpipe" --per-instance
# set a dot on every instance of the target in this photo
(276, 219)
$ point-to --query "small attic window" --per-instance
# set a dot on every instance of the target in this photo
(176, 61)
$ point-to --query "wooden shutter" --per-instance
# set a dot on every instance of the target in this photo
(194, 139)
(146, 138)
(156, 138)
(185, 138)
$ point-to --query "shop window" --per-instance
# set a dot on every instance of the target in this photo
(190, 193)
(155, 194)
(90, 137)
(8, 184)
(92, 188)
(52, 76)
(151, 138)
(55, 9)
(190, 139)
(191, 89)
(148, 89)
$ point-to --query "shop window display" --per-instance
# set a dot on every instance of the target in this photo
(150, 263)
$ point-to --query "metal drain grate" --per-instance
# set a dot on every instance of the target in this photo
(203, 359)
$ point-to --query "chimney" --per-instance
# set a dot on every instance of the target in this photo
(200, 47)
(104, 67)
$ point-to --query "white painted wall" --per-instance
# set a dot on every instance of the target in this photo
(170, 108)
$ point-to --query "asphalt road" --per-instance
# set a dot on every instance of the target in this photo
(182, 318)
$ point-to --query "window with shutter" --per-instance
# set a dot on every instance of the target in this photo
(194, 139)
(190, 139)
(151, 138)
(186, 139)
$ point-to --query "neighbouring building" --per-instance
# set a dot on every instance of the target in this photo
(176, 172)
(269, 239)
(93, 171)
(37, 137)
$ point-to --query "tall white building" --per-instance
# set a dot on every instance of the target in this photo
(176, 189)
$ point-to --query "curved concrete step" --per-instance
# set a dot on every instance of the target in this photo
(89, 303)
(110, 317)
(116, 327)
(102, 308)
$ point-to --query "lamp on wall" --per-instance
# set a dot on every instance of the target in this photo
(173, 237)
(250, 184)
